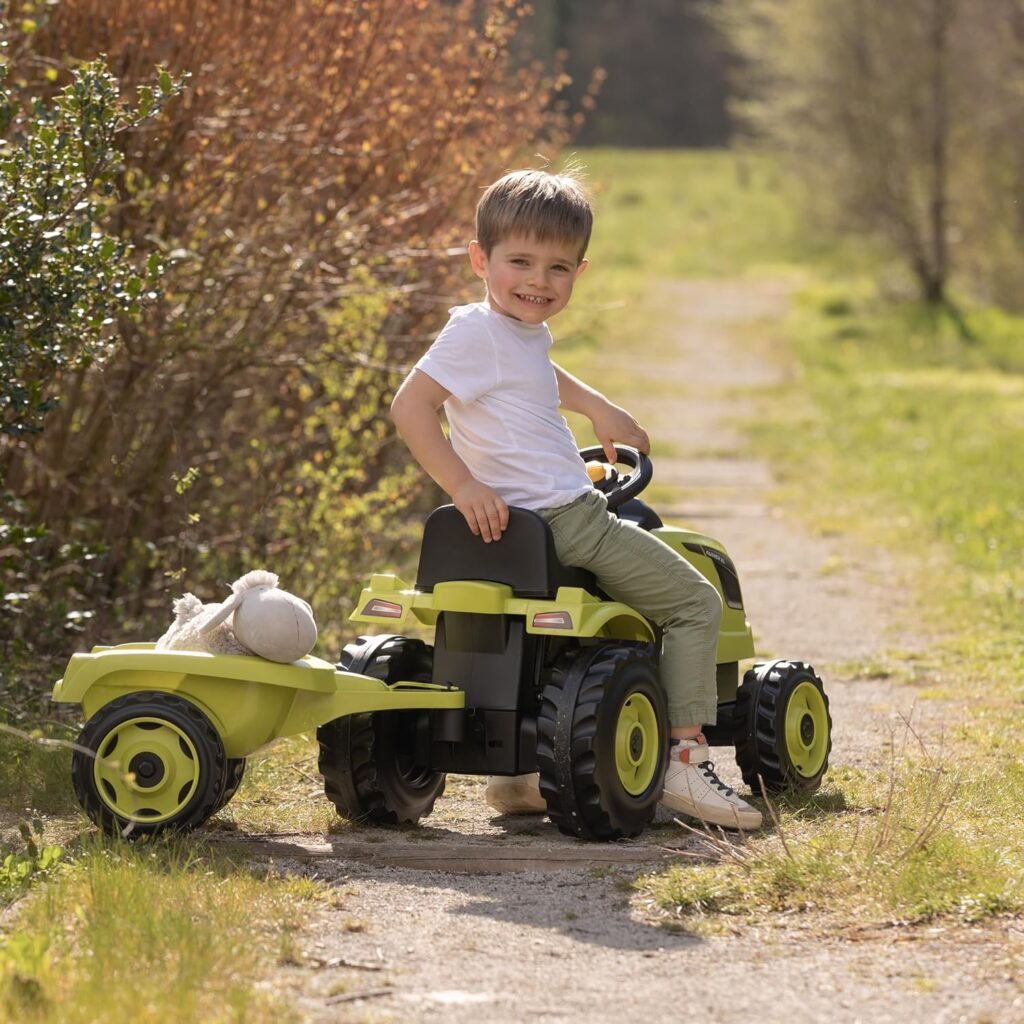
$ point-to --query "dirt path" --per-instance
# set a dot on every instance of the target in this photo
(518, 927)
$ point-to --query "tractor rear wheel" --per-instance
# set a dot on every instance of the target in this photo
(368, 761)
(602, 741)
(782, 727)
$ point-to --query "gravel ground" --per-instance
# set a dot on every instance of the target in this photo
(518, 927)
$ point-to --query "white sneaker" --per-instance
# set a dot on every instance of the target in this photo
(693, 788)
(515, 794)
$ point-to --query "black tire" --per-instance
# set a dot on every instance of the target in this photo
(176, 773)
(232, 780)
(368, 761)
(782, 727)
(589, 692)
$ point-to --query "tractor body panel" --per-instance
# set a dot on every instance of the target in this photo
(388, 601)
(495, 659)
(710, 559)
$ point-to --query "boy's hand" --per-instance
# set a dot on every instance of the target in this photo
(612, 423)
(485, 512)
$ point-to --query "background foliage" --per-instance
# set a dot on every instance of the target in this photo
(905, 121)
(64, 279)
(305, 191)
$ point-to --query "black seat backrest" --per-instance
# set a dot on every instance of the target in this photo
(524, 558)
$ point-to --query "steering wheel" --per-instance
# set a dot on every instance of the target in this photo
(617, 487)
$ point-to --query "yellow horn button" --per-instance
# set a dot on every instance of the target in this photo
(597, 471)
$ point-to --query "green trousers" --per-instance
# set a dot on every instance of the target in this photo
(634, 567)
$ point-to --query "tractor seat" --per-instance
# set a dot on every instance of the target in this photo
(524, 558)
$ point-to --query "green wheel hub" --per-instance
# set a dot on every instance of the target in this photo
(636, 744)
(807, 729)
(147, 769)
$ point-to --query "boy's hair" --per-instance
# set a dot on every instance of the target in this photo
(542, 206)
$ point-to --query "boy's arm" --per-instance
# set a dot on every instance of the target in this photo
(611, 422)
(414, 411)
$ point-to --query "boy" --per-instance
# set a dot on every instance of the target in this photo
(491, 371)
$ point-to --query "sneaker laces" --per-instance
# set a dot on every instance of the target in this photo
(707, 768)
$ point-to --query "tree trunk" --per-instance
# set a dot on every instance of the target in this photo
(934, 283)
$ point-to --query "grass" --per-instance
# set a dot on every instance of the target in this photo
(106, 930)
(897, 432)
(282, 792)
(35, 776)
(147, 931)
(933, 839)
(662, 215)
(912, 435)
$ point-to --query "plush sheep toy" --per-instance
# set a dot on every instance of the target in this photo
(258, 619)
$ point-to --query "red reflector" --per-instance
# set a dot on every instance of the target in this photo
(552, 620)
(385, 609)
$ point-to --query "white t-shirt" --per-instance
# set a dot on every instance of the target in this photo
(503, 409)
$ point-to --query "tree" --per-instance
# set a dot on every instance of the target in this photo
(877, 104)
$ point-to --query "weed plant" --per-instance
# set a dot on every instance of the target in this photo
(29, 863)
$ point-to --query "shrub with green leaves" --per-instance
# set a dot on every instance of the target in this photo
(64, 279)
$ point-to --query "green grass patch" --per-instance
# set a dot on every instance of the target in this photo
(281, 791)
(34, 776)
(661, 215)
(151, 932)
(907, 433)
(898, 430)
(912, 435)
(931, 838)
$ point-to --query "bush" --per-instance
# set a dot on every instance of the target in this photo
(64, 280)
(306, 191)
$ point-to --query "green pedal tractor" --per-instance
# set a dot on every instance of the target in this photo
(532, 669)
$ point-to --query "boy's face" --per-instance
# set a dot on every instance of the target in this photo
(526, 279)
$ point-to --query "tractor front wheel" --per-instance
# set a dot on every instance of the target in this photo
(782, 727)
(602, 741)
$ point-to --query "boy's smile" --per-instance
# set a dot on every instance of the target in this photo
(527, 279)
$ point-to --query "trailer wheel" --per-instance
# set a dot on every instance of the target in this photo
(152, 762)
(233, 779)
